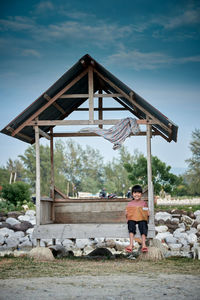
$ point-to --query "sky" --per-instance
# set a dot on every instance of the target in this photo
(152, 46)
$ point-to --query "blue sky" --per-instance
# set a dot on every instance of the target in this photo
(152, 46)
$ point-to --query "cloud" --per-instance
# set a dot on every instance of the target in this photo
(188, 17)
(43, 6)
(17, 23)
(149, 60)
(30, 52)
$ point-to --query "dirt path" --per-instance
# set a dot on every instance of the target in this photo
(111, 287)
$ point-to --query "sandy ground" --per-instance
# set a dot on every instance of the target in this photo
(116, 287)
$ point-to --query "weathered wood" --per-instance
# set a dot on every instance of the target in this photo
(91, 92)
(44, 134)
(84, 231)
(103, 109)
(91, 134)
(149, 176)
(100, 108)
(25, 137)
(37, 150)
(40, 110)
(100, 95)
(72, 122)
(52, 174)
(58, 107)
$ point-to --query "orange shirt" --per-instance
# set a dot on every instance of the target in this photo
(137, 210)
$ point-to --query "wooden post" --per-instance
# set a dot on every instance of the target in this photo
(149, 174)
(37, 150)
(52, 173)
(100, 102)
(91, 93)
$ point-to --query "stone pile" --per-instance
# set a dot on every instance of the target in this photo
(176, 234)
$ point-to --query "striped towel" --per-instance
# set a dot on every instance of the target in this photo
(117, 133)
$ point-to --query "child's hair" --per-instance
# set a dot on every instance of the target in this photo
(137, 189)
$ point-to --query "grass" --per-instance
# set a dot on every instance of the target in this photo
(186, 208)
(26, 267)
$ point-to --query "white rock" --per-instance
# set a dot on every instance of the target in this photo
(12, 221)
(77, 252)
(197, 219)
(46, 242)
(18, 253)
(29, 231)
(181, 225)
(175, 246)
(81, 243)
(24, 244)
(2, 239)
(41, 253)
(197, 213)
(6, 232)
(11, 242)
(192, 230)
(19, 234)
(163, 216)
(198, 227)
(161, 228)
(110, 243)
(5, 252)
(30, 212)
(120, 246)
(192, 238)
(87, 250)
(162, 235)
(183, 241)
(187, 220)
(170, 239)
(99, 242)
(178, 230)
(68, 244)
(24, 218)
(175, 220)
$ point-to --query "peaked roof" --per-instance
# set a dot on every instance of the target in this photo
(76, 81)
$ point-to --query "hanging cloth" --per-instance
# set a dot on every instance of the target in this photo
(117, 133)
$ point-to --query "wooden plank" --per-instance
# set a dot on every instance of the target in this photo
(72, 122)
(100, 108)
(103, 109)
(91, 92)
(44, 134)
(52, 174)
(100, 95)
(92, 134)
(39, 111)
(54, 104)
(37, 150)
(25, 137)
(84, 231)
(149, 177)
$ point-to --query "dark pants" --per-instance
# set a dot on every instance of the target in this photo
(142, 225)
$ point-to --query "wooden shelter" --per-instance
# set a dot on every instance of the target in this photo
(59, 216)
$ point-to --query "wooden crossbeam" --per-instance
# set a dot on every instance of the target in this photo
(72, 122)
(103, 109)
(39, 111)
(66, 96)
(44, 134)
(91, 134)
(54, 104)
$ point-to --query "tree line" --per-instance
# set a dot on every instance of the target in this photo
(83, 169)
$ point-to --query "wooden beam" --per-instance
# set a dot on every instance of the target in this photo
(52, 174)
(72, 122)
(25, 137)
(91, 134)
(103, 109)
(131, 99)
(44, 134)
(37, 150)
(100, 95)
(40, 110)
(100, 108)
(91, 92)
(149, 177)
(54, 104)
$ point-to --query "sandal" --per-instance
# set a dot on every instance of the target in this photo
(128, 249)
(144, 249)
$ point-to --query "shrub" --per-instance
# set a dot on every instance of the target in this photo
(16, 193)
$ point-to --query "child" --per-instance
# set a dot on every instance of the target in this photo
(137, 213)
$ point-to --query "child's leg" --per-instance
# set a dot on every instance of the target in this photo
(143, 228)
(132, 231)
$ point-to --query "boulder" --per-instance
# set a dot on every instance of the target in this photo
(60, 251)
(68, 244)
(81, 243)
(192, 238)
(5, 225)
(163, 216)
(14, 214)
(110, 243)
(101, 252)
(162, 236)
(170, 239)
(197, 213)
(161, 228)
(30, 213)
(2, 239)
(197, 220)
(11, 242)
(6, 232)
(12, 221)
(41, 254)
(22, 226)
(187, 220)
(175, 247)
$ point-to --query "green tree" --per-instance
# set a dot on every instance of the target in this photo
(116, 175)
(161, 176)
(193, 172)
(4, 176)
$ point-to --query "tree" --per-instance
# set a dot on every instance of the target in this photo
(161, 176)
(4, 176)
(116, 175)
(193, 172)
